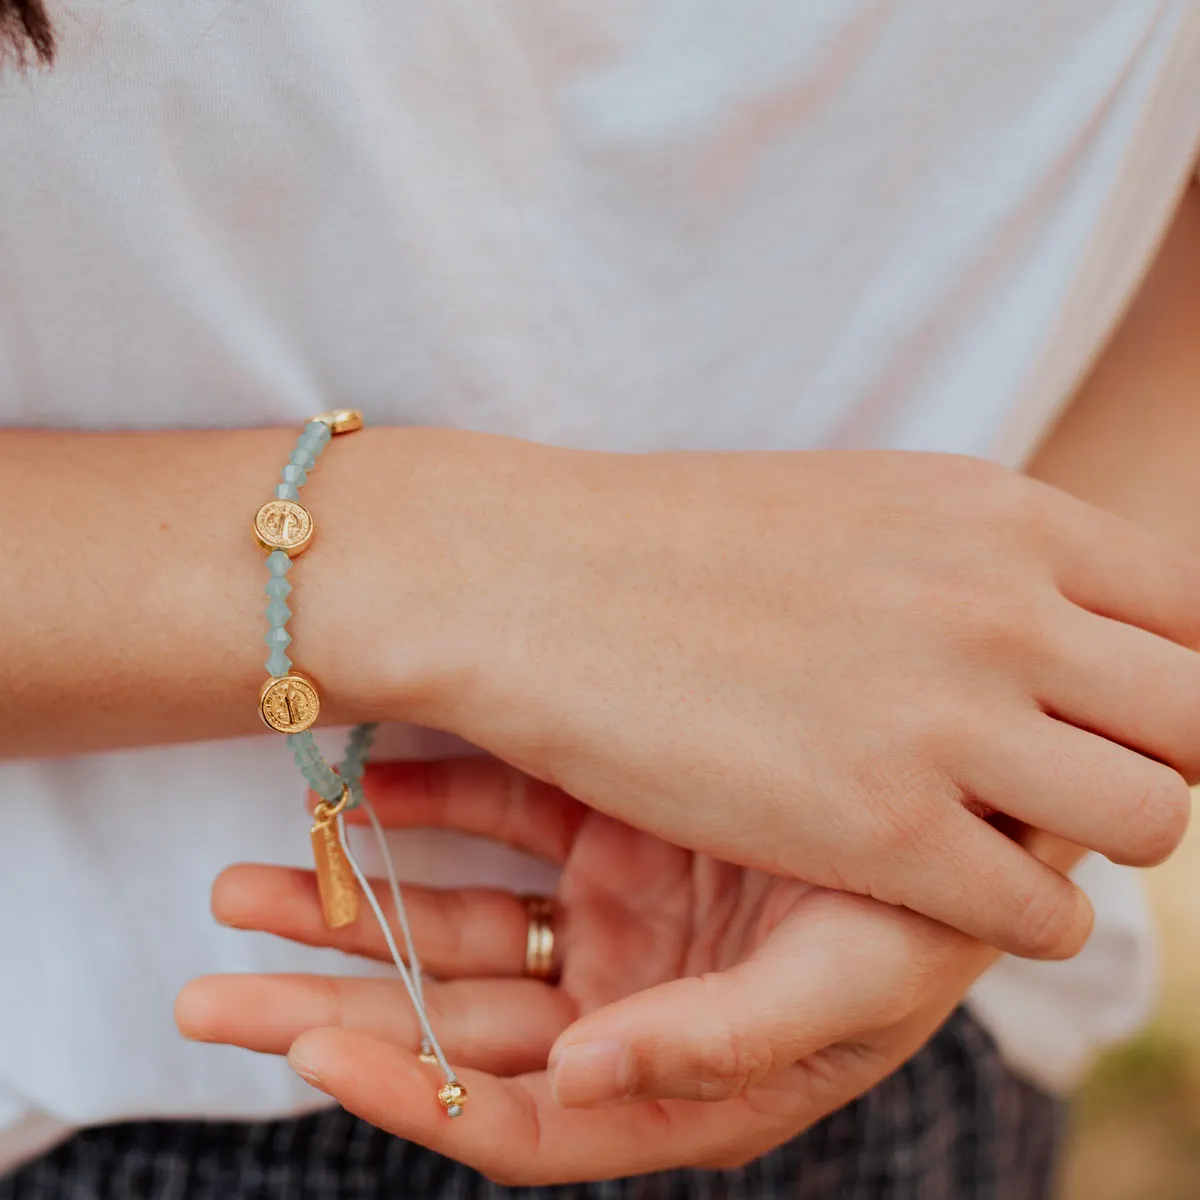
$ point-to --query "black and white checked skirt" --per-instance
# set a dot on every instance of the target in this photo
(954, 1124)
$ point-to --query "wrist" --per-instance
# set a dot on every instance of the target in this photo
(412, 579)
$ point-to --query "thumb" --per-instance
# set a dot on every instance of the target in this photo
(710, 1037)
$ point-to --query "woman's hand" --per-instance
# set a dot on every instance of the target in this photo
(684, 979)
(828, 665)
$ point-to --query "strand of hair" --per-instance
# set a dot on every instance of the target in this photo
(26, 32)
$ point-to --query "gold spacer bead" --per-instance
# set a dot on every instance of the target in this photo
(289, 703)
(452, 1095)
(283, 525)
(340, 420)
(427, 1056)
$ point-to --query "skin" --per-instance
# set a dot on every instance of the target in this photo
(711, 1010)
(830, 666)
(905, 644)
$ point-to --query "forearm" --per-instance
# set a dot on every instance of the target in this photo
(1130, 439)
(131, 607)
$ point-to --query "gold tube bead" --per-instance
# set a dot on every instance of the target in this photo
(340, 420)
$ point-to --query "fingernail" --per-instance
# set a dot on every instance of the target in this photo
(590, 1073)
(306, 1073)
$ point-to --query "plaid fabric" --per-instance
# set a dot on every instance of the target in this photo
(954, 1124)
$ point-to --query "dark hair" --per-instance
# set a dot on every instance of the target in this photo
(25, 30)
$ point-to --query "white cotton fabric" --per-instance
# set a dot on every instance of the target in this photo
(680, 224)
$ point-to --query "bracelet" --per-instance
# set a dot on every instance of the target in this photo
(290, 703)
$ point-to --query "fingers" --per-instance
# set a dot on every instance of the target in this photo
(1128, 685)
(513, 1132)
(480, 796)
(1055, 777)
(840, 967)
(971, 877)
(1115, 569)
(458, 932)
(502, 1026)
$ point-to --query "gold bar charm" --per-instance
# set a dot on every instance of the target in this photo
(335, 879)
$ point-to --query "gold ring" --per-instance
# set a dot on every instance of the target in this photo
(539, 938)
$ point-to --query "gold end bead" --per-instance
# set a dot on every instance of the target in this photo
(289, 703)
(340, 420)
(283, 525)
(452, 1096)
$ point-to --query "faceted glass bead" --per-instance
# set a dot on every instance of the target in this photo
(304, 459)
(278, 563)
(314, 439)
(297, 476)
(278, 636)
(278, 663)
(278, 612)
(286, 491)
(278, 588)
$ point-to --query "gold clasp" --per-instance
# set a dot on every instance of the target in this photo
(340, 420)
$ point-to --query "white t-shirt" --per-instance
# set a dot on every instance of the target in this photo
(627, 226)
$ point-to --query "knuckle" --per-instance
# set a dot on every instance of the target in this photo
(988, 611)
(1023, 506)
(908, 807)
(1159, 818)
(1049, 925)
(727, 1062)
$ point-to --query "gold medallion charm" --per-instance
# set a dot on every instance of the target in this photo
(289, 703)
(336, 884)
(340, 420)
(283, 525)
(452, 1096)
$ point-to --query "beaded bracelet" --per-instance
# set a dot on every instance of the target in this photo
(290, 703)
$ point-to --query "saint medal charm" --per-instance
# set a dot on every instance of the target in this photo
(336, 884)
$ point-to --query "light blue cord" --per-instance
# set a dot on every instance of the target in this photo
(327, 781)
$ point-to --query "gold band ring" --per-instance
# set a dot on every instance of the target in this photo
(539, 938)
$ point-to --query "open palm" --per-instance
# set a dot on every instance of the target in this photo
(684, 979)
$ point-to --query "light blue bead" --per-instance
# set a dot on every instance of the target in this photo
(305, 459)
(329, 789)
(278, 663)
(314, 439)
(278, 563)
(286, 491)
(278, 588)
(278, 636)
(278, 612)
(296, 476)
